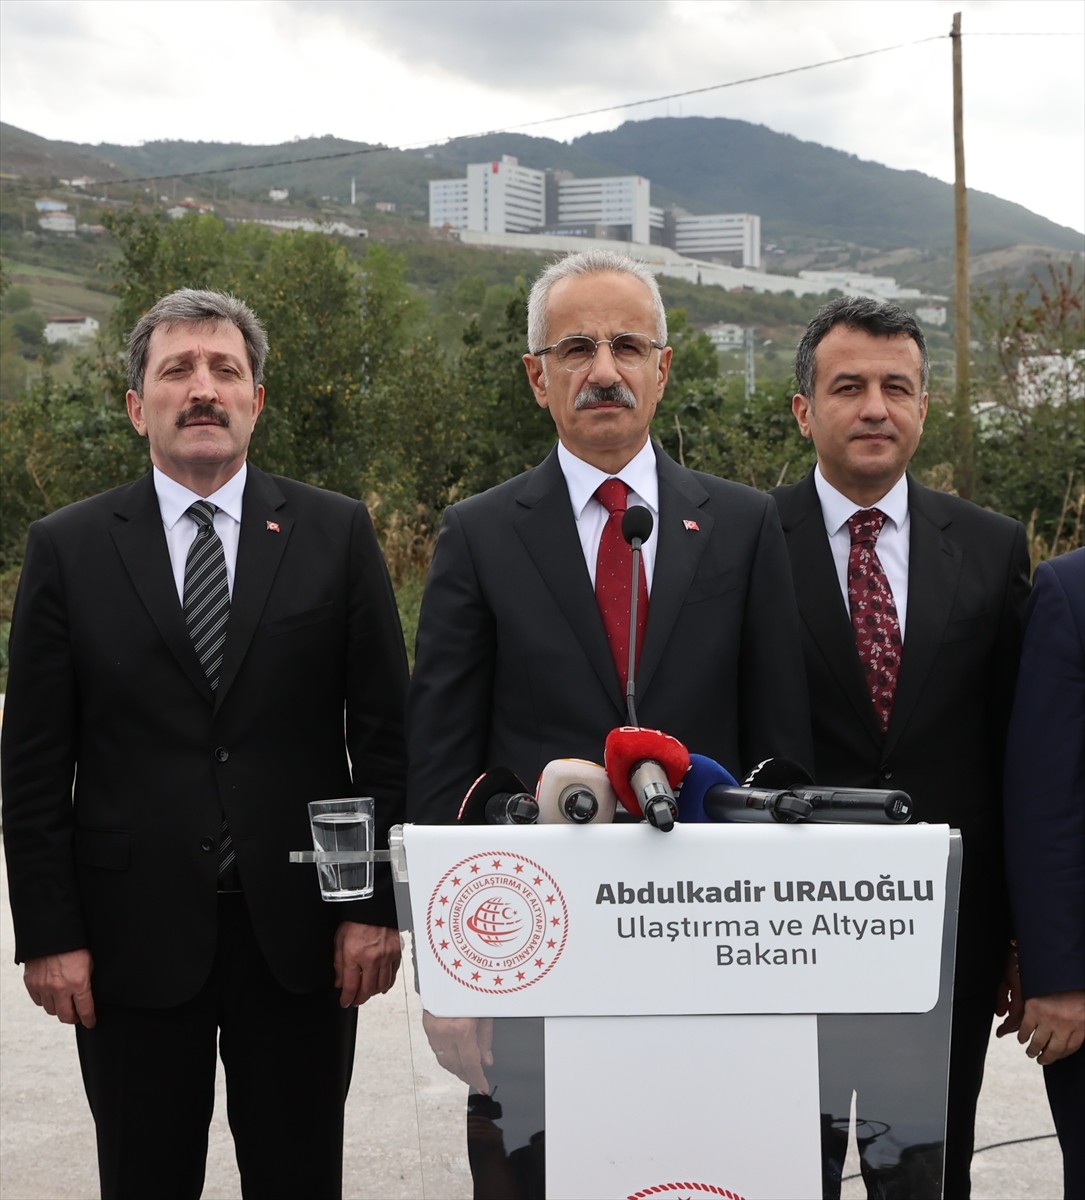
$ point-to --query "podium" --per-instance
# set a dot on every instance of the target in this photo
(684, 1014)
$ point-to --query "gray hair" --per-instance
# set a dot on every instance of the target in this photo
(588, 262)
(189, 306)
(878, 317)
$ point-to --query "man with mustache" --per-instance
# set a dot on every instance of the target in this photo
(515, 666)
(912, 604)
(201, 653)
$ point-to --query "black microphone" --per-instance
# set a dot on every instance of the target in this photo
(498, 797)
(784, 792)
(809, 803)
(637, 525)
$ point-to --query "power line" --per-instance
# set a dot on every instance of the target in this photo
(590, 112)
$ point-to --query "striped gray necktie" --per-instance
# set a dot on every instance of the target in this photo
(207, 610)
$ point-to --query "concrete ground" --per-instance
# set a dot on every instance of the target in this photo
(47, 1137)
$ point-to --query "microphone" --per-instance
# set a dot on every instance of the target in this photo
(703, 773)
(498, 797)
(573, 789)
(637, 524)
(644, 767)
(799, 799)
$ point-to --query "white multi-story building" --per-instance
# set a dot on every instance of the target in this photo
(732, 234)
(448, 203)
(504, 197)
(496, 197)
(621, 203)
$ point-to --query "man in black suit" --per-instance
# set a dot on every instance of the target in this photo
(154, 905)
(959, 581)
(1045, 846)
(513, 665)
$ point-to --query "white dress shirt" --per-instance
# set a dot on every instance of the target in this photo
(174, 501)
(892, 545)
(582, 480)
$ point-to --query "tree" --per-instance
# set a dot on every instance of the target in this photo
(359, 399)
(1029, 391)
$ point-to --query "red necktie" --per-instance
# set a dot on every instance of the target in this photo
(614, 575)
(873, 613)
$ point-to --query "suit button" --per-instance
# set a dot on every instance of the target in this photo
(221, 753)
(887, 773)
(207, 845)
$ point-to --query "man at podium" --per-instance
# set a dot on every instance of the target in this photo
(516, 661)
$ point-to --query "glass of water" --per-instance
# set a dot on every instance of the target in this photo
(344, 827)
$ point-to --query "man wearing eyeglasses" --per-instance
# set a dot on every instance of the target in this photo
(514, 667)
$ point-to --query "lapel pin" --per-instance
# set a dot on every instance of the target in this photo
(273, 527)
(692, 526)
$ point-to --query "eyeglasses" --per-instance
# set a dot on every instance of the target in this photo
(577, 353)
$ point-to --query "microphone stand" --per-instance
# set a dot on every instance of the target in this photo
(630, 674)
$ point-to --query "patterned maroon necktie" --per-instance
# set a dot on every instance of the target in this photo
(873, 613)
(613, 577)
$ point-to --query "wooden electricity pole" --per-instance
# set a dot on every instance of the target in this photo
(962, 307)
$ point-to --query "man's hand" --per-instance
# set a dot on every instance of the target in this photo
(1053, 1026)
(366, 961)
(1009, 1002)
(60, 983)
(463, 1045)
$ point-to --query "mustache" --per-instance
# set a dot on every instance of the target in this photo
(592, 397)
(203, 412)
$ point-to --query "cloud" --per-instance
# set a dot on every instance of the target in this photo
(409, 72)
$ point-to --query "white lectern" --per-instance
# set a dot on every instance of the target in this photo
(707, 998)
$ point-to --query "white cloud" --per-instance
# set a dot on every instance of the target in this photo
(407, 72)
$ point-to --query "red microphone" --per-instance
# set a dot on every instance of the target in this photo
(644, 767)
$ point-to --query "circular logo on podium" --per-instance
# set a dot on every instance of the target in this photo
(497, 922)
(684, 1191)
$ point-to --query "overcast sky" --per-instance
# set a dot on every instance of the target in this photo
(413, 72)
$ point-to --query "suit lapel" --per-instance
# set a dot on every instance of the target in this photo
(544, 521)
(265, 531)
(141, 543)
(821, 604)
(684, 530)
(934, 568)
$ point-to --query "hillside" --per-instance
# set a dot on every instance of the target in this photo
(805, 193)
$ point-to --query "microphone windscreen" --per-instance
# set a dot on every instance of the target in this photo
(560, 783)
(637, 523)
(703, 773)
(629, 745)
(494, 782)
(777, 773)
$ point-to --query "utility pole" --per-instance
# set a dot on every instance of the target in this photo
(962, 407)
(750, 380)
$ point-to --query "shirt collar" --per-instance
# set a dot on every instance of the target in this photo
(174, 499)
(837, 509)
(582, 479)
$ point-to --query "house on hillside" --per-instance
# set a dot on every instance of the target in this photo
(47, 205)
(57, 222)
(726, 336)
(69, 329)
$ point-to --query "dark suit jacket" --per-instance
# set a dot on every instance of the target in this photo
(512, 666)
(105, 687)
(1045, 783)
(967, 588)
